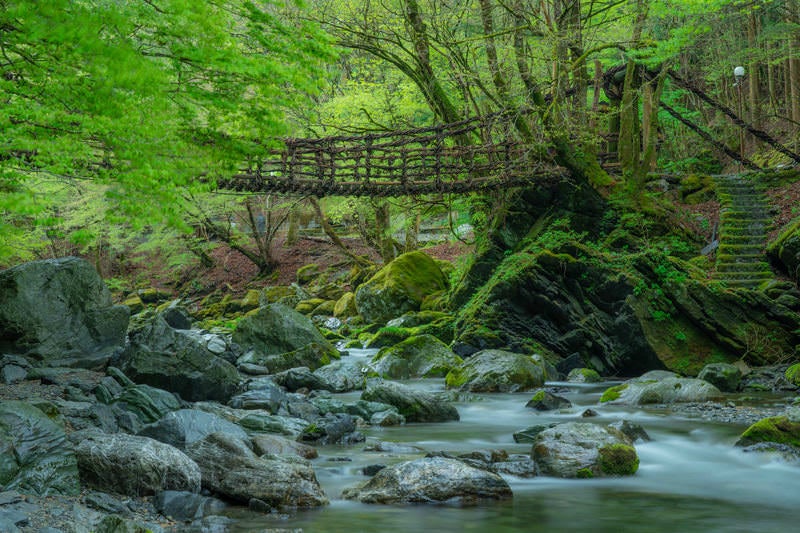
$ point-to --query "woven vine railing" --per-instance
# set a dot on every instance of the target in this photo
(473, 155)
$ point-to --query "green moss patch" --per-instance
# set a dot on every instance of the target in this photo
(777, 429)
(613, 393)
(618, 460)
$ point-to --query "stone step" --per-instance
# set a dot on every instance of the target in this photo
(742, 284)
(755, 229)
(742, 240)
(740, 249)
(744, 276)
(740, 217)
(744, 268)
(744, 258)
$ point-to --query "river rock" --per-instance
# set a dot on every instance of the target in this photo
(175, 360)
(660, 387)
(544, 400)
(415, 357)
(261, 393)
(230, 468)
(35, 455)
(186, 506)
(185, 426)
(430, 480)
(134, 466)
(60, 312)
(301, 378)
(399, 287)
(577, 449)
(147, 403)
(313, 356)
(783, 429)
(497, 371)
(724, 376)
(276, 329)
(266, 444)
(414, 405)
(583, 375)
(345, 375)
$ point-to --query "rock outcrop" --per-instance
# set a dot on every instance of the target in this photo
(59, 311)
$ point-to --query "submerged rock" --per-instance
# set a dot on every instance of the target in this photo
(543, 400)
(497, 371)
(60, 312)
(414, 405)
(430, 480)
(577, 449)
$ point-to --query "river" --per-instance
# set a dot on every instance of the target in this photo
(691, 477)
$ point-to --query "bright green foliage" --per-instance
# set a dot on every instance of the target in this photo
(793, 374)
(145, 97)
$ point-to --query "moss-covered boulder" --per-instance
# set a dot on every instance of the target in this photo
(399, 287)
(305, 307)
(661, 387)
(583, 375)
(777, 429)
(276, 329)
(793, 374)
(497, 371)
(724, 376)
(345, 306)
(387, 336)
(60, 312)
(307, 273)
(785, 250)
(420, 356)
(582, 450)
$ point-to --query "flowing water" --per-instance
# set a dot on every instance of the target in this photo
(691, 477)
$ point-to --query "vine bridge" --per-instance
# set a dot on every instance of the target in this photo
(473, 155)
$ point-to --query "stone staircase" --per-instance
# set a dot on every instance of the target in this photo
(744, 223)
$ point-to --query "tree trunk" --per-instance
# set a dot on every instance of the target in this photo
(331, 233)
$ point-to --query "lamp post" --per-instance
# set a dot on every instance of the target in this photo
(738, 74)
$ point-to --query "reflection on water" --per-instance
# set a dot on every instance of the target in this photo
(691, 478)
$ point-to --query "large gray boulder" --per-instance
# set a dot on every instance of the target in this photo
(60, 312)
(134, 466)
(414, 405)
(35, 455)
(399, 287)
(576, 449)
(185, 426)
(418, 356)
(430, 480)
(343, 375)
(175, 360)
(661, 387)
(497, 371)
(275, 330)
(230, 468)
